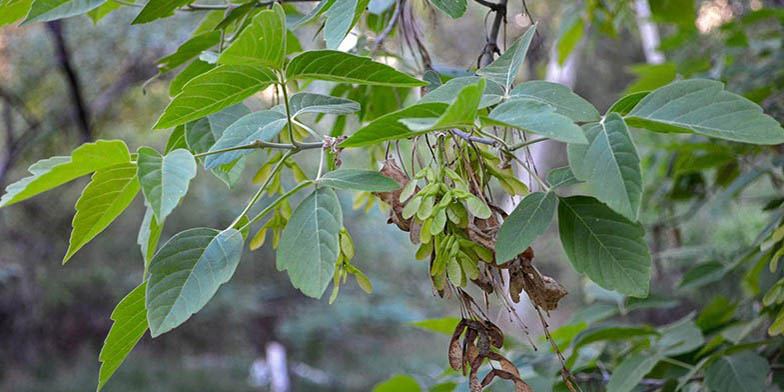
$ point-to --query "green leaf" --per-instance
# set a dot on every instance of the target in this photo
(130, 324)
(186, 272)
(220, 121)
(188, 50)
(340, 18)
(704, 107)
(444, 326)
(631, 371)
(306, 102)
(388, 127)
(309, 246)
(359, 180)
(262, 125)
(230, 173)
(399, 383)
(55, 171)
(610, 332)
(104, 9)
(261, 43)
(679, 338)
(13, 10)
(561, 176)
(570, 35)
(46, 10)
(745, 371)
(108, 194)
(165, 179)
(156, 9)
(459, 114)
(559, 96)
(322, 7)
(610, 165)
(194, 69)
(214, 90)
(453, 8)
(625, 105)
(504, 69)
(604, 245)
(336, 66)
(703, 274)
(149, 234)
(447, 92)
(537, 117)
(528, 221)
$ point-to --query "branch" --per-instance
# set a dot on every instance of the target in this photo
(471, 138)
(263, 144)
(72, 79)
(491, 47)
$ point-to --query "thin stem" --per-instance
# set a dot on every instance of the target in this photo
(288, 109)
(263, 186)
(262, 144)
(467, 136)
(321, 164)
(309, 129)
(677, 363)
(128, 4)
(275, 203)
(530, 172)
(527, 143)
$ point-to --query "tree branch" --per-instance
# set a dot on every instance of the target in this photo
(72, 80)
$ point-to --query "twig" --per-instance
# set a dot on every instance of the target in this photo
(263, 144)
(471, 138)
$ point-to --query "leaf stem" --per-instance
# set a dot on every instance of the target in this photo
(263, 186)
(531, 172)
(527, 143)
(263, 144)
(288, 109)
(275, 203)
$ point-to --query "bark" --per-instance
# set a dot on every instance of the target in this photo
(63, 55)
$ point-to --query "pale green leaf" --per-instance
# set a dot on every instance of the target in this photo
(336, 66)
(704, 107)
(610, 165)
(559, 96)
(310, 246)
(571, 32)
(504, 69)
(156, 9)
(459, 114)
(679, 338)
(703, 274)
(745, 371)
(230, 173)
(261, 43)
(96, 14)
(322, 7)
(198, 135)
(13, 10)
(262, 125)
(388, 127)
(46, 10)
(631, 371)
(214, 90)
(604, 245)
(186, 272)
(164, 179)
(537, 117)
(453, 8)
(359, 180)
(305, 102)
(340, 18)
(49, 173)
(108, 194)
(399, 383)
(528, 221)
(130, 324)
(651, 76)
(447, 92)
(445, 326)
(626, 103)
(561, 176)
(188, 50)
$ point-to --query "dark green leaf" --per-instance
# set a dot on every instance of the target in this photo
(504, 69)
(335, 66)
(604, 245)
(46, 10)
(186, 272)
(156, 9)
(534, 116)
(631, 371)
(561, 176)
(49, 173)
(453, 8)
(745, 371)
(704, 107)
(130, 324)
(528, 221)
(214, 90)
(305, 102)
(309, 246)
(359, 180)
(388, 127)
(559, 96)
(262, 43)
(703, 274)
(165, 179)
(108, 194)
(610, 165)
